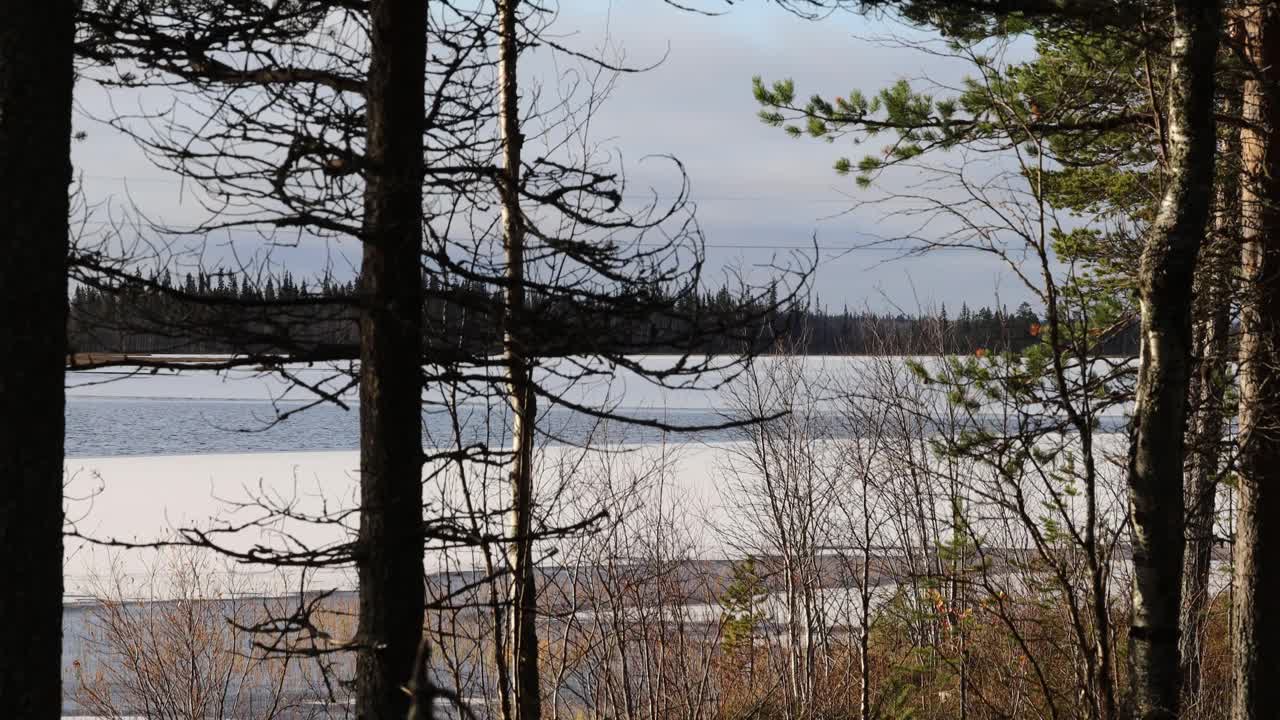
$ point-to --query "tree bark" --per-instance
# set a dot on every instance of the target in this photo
(864, 625)
(35, 158)
(1165, 289)
(522, 643)
(389, 560)
(1256, 646)
(1213, 286)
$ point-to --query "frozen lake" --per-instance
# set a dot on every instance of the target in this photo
(150, 455)
(112, 427)
(119, 412)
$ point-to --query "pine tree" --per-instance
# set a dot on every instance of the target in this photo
(743, 603)
(35, 155)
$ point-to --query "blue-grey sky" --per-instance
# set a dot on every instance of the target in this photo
(756, 189)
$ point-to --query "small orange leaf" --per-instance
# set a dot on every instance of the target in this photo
(980, 352)
(1035, 329)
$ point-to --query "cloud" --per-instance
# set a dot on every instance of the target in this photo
(753, 185)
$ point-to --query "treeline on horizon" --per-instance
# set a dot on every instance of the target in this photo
(229, 312)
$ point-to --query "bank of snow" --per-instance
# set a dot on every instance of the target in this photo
(141, 500)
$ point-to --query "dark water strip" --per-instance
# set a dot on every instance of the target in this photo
(106, 428)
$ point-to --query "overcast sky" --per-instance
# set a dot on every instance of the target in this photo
(756, 189)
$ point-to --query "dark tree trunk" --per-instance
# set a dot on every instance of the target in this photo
(522, 645)
(1207, 419)
(1257, 582)
(1165, 289)
(35, 162)
(390, 541)
(421, 691)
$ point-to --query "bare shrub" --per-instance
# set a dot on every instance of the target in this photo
(176, 644)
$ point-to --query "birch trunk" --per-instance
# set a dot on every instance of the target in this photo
(1207, 422)
(1165, 289)
(522, 644)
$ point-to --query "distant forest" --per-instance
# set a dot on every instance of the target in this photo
(226, 312)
